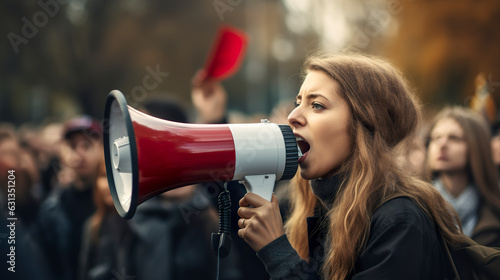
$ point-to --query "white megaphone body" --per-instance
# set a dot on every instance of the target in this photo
(146, 156)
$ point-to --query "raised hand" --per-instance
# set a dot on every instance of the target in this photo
(209, 98)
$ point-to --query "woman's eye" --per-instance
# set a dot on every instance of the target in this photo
(317, 106)
(296, 104)
(455, 138)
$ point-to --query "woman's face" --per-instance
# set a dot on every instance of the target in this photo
(447, 150)
(320, 123)
(103, 187)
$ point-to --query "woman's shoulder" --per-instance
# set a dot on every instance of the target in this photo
(401, 212)
(401, 242)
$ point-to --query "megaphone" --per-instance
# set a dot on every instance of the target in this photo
(146, 156)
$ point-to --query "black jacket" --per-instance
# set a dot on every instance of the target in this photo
(59, 228)
(403, 244)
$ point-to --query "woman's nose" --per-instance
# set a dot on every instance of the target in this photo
(442, 142)
(296, 118)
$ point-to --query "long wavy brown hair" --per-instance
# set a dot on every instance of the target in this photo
(480, 166)
(385, 115)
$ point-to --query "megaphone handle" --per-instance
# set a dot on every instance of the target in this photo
(262, 185)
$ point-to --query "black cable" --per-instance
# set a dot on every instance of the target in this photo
(225, 211)
(221, 241)
(218, 263)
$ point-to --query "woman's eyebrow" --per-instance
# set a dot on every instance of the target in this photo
(315, 95)
(311, 95)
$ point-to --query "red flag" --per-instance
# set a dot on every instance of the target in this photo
(227, 53)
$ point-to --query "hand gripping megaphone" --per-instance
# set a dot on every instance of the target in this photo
(146, 156)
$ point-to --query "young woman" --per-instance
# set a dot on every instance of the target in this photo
(460, 163)
(371, 218)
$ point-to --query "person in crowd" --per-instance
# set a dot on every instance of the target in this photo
(371, 219)
(18, 207)
(460, 164)
(107, 238)
(8, 161)
(63, 213)
(21, 162)
(49, 163)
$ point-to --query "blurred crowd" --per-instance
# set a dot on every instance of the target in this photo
(67, 226)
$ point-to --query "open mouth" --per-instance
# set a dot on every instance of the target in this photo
(303, 146)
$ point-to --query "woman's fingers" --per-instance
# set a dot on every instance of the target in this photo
(249, 203)
(251, 199)
(246, 212)
(241, 222)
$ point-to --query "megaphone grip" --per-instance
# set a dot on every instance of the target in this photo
(292, 153)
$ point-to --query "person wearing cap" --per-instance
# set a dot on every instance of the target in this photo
(63, 213)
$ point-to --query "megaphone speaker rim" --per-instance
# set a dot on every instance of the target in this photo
(117, 96)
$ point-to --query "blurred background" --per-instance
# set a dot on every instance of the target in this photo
(61, 58)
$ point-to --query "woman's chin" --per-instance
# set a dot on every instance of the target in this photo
(307, 175)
